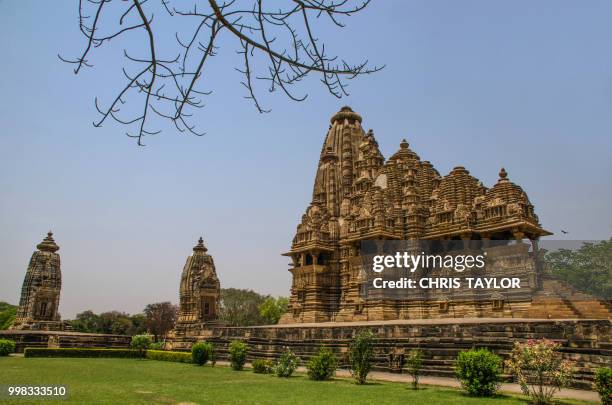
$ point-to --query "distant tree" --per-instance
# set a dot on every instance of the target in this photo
(160, 318)
(87, 321)
(112, 322)
(115, 322)
(7, 314)
(272, 309)
(588, 269)
(277, 42)
(139, 324)
(241, 307)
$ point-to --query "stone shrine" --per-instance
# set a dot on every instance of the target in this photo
(40, 293)
(200, 292)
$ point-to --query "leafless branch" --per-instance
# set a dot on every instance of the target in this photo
(282, 35)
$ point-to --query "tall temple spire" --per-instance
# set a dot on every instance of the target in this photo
(199, 288)
(40, 293)
(358, 196)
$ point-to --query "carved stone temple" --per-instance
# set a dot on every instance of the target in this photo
(358, 195)
(200, 292)
(40, 293)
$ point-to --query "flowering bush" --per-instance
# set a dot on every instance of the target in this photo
(261, 366)
(140, 343)
(286, 364)
(539, 369)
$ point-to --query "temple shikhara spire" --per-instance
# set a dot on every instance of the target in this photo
(40, 293)
(199, 298)
(200, 288)
(359, 196)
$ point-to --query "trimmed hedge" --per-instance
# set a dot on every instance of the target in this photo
(178, 357)
(78, 352)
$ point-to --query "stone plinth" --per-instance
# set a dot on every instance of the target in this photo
(62, 339)
(586, 343)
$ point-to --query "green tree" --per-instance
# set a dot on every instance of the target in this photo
(272, 309)
(160, 318)
(113, 322)
(7, 315)
(240, 307)
(588, 269)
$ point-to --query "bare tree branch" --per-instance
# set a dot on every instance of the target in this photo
(282, 33)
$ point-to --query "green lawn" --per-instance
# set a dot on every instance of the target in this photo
(146, 381)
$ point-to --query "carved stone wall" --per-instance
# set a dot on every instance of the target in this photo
(63, 339)
(587, 344)
(358, 196)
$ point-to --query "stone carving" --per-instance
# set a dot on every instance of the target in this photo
(40, 293)
(402, 198)
(200, 288)
(199, 294)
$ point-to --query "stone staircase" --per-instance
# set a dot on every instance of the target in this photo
(558, 300)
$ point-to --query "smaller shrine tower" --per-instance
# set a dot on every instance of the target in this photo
(40, 293)
(200, 288)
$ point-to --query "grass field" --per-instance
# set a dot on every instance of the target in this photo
(129, 381)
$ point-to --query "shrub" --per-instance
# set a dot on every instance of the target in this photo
(539, 369)
(286, 364)
(140, 343)
(479, 371)
(414, 364)
(261, 366)
(360, 355)
(162, 355)
(201, 353)
(237, 354)
(157, 346)
(7, 346)
(323, 366)
(603, 385)
(77, 352)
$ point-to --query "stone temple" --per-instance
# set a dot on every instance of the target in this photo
(40, 293)
(358, 196)
(199, 293)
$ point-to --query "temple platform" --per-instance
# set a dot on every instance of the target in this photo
(64, 339)
(586, 343)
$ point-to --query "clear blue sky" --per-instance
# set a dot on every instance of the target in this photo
(525, 85)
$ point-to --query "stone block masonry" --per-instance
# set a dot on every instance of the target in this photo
(586, 343)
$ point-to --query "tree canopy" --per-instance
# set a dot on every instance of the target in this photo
(588, 269)
(7, 314)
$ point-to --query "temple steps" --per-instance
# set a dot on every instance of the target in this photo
(558, 300)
